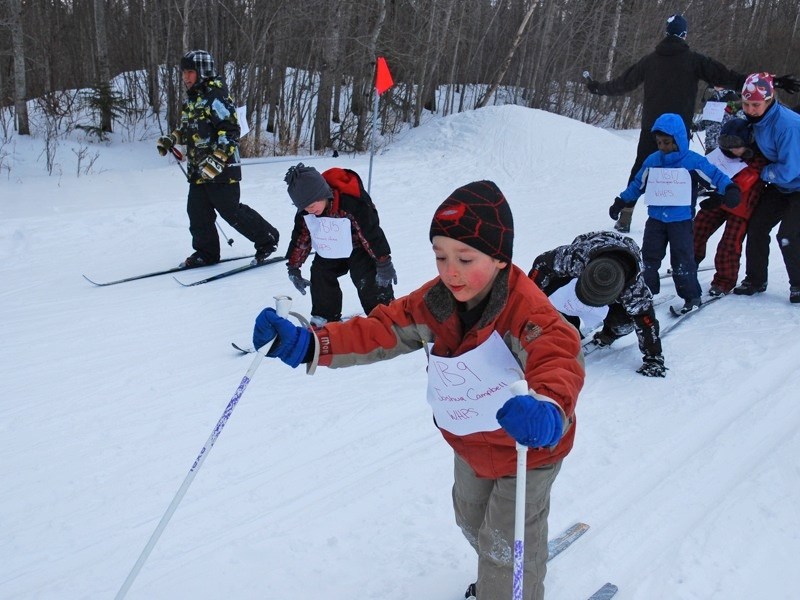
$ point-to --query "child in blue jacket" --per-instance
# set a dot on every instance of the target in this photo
(670, 179)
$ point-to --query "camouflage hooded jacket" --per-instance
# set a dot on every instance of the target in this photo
(209, 126)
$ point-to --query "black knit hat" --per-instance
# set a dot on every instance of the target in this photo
(306, 186)
(677, 26)
(736, 133)
(601, 282)
(478, 215)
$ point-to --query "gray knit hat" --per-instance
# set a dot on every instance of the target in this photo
(601, 282)
(306, 186)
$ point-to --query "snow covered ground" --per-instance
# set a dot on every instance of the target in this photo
(337, 486)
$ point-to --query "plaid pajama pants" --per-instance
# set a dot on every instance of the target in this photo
(729, 249)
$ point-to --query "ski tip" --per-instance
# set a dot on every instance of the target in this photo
(90, 281)
(242, 350)
(605, 593)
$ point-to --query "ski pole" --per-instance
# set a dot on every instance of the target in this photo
(282, 304)
(587, 76)
(520, 388)
(222, 231)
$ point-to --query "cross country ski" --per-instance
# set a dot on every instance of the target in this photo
(157, 273)
(242, 269)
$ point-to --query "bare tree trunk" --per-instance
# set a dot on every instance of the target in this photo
(20, 88)
(501, 73)
(362, 85)
(103, 69)
(614, 35)
(327, 74)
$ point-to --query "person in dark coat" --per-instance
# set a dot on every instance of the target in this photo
(670, 75)
(603, 269)
(337, 218)
(210, 130)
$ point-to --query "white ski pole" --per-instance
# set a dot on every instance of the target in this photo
(519, 388)
(282, 304)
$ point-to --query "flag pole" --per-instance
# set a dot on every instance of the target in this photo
(372, 141)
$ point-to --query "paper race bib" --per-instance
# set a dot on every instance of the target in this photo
(564, 300)
(668, 187)
(729, 166)
(330, 237)
(466, 391)
(714, 111)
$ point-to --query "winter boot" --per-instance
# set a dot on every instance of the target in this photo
(690, 305)
(715, 291)
(471, 593)
(317, 322)
(196, 260)
(623, 224)
(748, 288)
(794, 294)
(262, 254)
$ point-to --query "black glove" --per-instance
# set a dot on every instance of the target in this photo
(601, 339)
(165, 143)
(616, 208)
(593, 86)
(732, 196)
(788, 83)
(653, 366)
(297, 280)
(385, 274)
(713, 201)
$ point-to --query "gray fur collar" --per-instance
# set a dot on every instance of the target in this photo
(442, 304)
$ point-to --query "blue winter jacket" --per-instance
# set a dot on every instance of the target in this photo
(696, 164)
(777, 134)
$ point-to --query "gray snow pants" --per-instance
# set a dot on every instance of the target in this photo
(485, 513)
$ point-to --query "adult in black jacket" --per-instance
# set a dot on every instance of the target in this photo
(670, 75)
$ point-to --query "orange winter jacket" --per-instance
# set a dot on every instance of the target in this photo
(544, 344)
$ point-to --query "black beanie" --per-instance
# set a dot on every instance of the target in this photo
(601, 282)
(478, 215)
(306, 186)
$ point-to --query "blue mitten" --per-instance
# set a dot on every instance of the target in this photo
(292, 343)
(531, 422)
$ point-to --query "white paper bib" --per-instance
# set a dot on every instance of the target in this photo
(330, 237)
(564, 300)
(466, 391)
(668, 187)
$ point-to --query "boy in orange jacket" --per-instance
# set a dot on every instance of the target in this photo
(481, 321)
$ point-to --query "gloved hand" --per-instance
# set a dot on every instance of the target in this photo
(713, 201)
(616, 208)
(593, 86)
(385, 274)
(297, 280)
(788, 83)
(212, 165)
(165, 143)
(732, 196)
(292, 342)
(603, 339)
(531, 422)
(653, 366)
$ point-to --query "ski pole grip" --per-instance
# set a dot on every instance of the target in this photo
(282, 305)
(586, 75)
(520, 388)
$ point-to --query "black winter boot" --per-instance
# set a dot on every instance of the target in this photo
(690, 305)
(748, 288)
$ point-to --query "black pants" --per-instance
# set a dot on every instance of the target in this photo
(774, 207)
(204, 199)
(326, 295)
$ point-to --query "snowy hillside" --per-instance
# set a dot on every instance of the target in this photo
(337, 486)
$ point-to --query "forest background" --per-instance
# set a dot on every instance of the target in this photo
(305, 68)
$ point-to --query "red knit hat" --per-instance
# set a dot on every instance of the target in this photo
(478, 215)
(758, 87)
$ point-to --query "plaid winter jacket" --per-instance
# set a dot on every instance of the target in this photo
(209, 126)
(546, 347)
